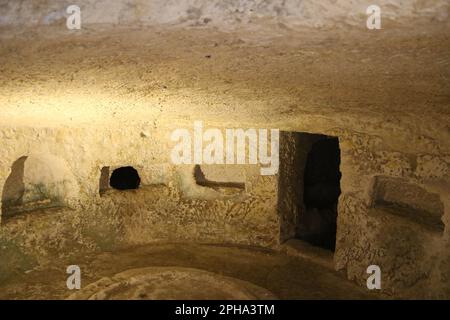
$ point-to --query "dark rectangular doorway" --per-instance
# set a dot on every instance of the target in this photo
(309, 188)
(321, 190)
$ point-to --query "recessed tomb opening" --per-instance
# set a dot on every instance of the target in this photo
(226, 177)
(14, 188)
(125, 178)
(37, 182)
(409, 201)
(321, 193)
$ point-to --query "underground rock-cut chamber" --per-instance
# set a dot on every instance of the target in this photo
(87, 117)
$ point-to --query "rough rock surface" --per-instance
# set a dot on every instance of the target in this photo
(111, 95)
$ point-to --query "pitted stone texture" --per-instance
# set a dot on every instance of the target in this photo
(224, 13)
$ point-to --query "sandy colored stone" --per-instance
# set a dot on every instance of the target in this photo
(110, 95)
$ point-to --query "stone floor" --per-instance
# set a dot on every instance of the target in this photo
(169, 283)
(215, 271)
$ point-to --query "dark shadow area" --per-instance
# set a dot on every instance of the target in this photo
(104, 180)
(125, 178)
(321, 192)
(14, 188)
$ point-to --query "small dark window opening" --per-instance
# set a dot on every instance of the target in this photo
(125, 178)
(321, 192)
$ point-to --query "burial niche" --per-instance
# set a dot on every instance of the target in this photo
(229, 178)
(37, 181)
(408, 201)
(14, 188)
(125, 178)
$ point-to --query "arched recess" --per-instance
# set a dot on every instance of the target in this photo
(37, 181)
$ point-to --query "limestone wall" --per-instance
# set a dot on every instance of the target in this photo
(169, 206)
(407, 233)
(73, 108)
(229, 13)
